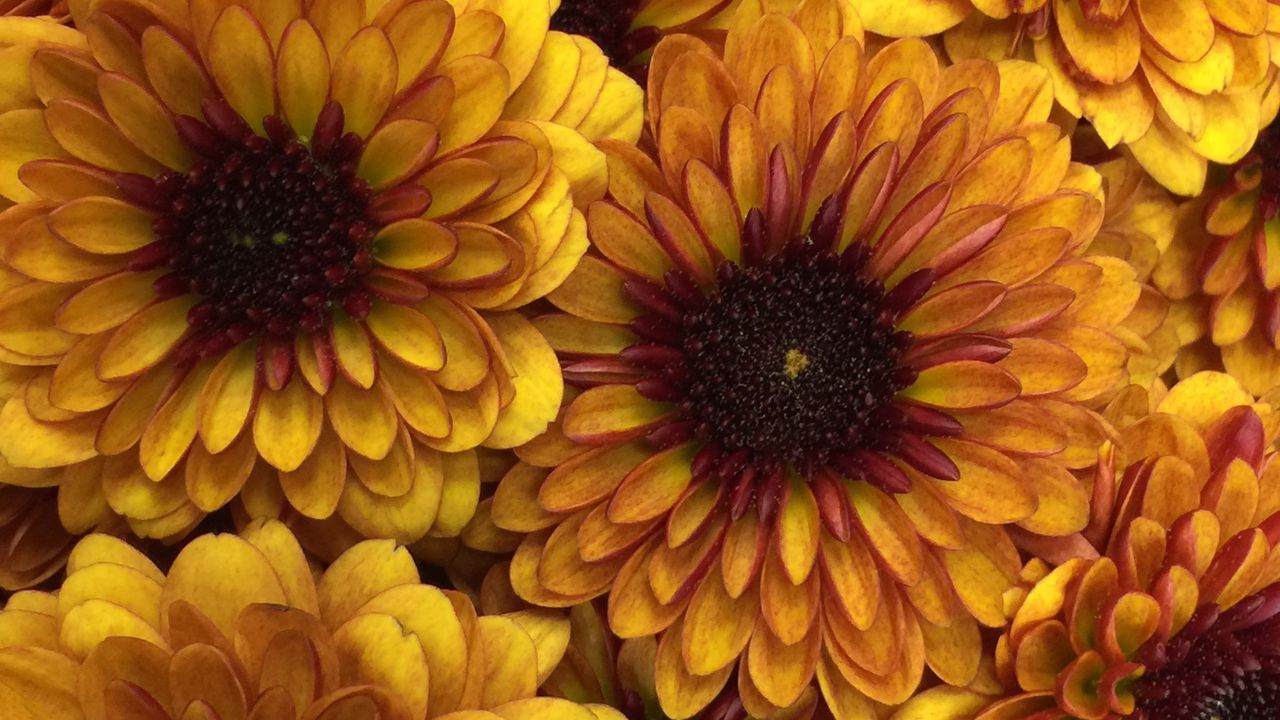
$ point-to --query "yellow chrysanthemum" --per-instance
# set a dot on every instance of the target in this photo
(1223, 272)
(238, 628)
(1179, 618)
(1181, 82)
(835, 336)
(259, 249)
(627, 30)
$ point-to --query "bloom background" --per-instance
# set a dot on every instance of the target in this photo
(641, 359)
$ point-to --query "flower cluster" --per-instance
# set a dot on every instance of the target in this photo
(639, 359)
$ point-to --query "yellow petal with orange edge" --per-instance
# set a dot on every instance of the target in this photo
(99, 548)
(717, 626)
(396, 151)
(106, 303)
(145, 339)
(25, 314)
(953, 651)
(407, 334)
(228, 397)
(143, 120)
(302, 76)
(546, 708)
(1165, 154)
(991, 487)
(359, 575)
(979, 583)
(353, 350)
(213, 480)
(315, 487)
(1204, 396)
(798, 530)
(27, 442)
(24, 137)
(681, 693)
(374, 649)
(510, 661)
(612, 413)
(459, 495)
(287, 424)
(1062, 503)
(88, 624)
(170, 431)
(102, 225)
(75, 385)
(365, 420)
(221, 575)
(239, 58)
(415, 245)
(889, 531)
(920, 19)
(966, 384)
(536, 376)
(481, 86)
(653, 486)
(405, 518)
(473, 414)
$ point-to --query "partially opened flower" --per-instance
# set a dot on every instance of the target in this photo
(1180, 83)
(834, 336)
(274, 250)
(1223, 271)
(238, 628)
(627, 30)
(1179, 619)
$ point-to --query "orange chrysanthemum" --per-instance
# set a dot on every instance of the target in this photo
(238, 628)
(834, 337)
(1179, 619)
(1181, 82)
(1223, 272)
(256, 248)
(627, 30)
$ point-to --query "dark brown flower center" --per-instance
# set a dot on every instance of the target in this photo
(606, 22)
(1221, 666)
(269, 233)
(791, 359)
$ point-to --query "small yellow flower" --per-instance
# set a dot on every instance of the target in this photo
(260, 250)
(238, 628)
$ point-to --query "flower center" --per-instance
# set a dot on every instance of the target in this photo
(790, 359)
(1219, 667)
(606, 22)
(268, 232)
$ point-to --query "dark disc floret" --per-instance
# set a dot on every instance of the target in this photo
(1223, 665)
(270, 234)
(790, 362)
(605, 22)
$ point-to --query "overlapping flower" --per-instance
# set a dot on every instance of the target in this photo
(639, 360)
(238, 628)
(262, 251)
(1181, 83)
(825, 360)
(1179, 617)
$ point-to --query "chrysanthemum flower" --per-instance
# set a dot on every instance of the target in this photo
(1179, 619)
(1180, 83)
(273, 250)
(627, 30)
(1223, 271)
(833, 338)
(238, 628)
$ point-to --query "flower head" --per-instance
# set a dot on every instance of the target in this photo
(238, 628)
(277, 252)
(834, 335)
(1181, 84)
(1224, 277)
(1178, 619)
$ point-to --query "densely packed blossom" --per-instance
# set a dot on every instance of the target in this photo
(1181, 83)
(274, 251)
(825, 360)
(639, 359)
(238, 628)
(1179, 616)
